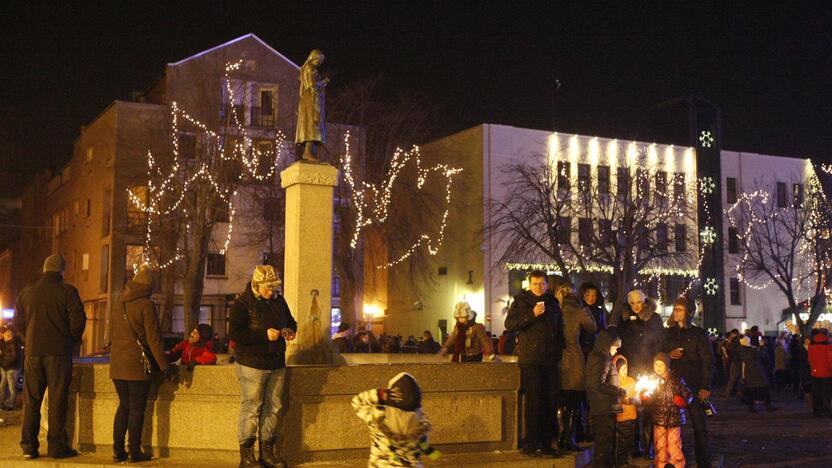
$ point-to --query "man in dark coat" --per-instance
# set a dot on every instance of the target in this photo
(50, 316)
(536, 316)
(260, 323)
(693, 360)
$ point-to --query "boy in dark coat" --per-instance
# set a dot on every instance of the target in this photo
(604, 392)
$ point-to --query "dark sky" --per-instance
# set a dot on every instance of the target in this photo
(767, 67)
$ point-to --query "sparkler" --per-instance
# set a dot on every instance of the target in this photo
(645, 385)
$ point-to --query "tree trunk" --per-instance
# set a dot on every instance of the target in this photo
(194, 281)
(169, 298)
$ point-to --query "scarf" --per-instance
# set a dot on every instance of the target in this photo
(461, 339)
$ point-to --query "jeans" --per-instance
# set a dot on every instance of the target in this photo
(132, 401)
(40, 373)
(540, 388)
(8, 380)
(261, 399)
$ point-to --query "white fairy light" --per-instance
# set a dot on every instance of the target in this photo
(711, 286)
(706, 139)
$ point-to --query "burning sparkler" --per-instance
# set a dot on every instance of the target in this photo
(646, 384)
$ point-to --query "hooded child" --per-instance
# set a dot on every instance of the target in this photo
(668, 402)
(398, 428)
(603, 392)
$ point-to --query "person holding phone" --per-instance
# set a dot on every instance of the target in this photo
(535, 315)
(260, 323)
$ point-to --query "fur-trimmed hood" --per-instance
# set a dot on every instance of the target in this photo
(645, 314)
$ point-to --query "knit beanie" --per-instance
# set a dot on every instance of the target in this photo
(462, 309)
(265, 275)
(664, 357)
(54, 263)
(404, 392)
(143, 276)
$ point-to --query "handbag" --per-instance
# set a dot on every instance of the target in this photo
(148, 362)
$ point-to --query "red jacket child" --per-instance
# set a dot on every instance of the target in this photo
(820, 356)
(197, 349)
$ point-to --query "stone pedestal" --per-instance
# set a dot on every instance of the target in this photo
(307, 270)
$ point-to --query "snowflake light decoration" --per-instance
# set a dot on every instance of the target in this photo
(707, 185)
(708, 235)
(706, 139)
(711, 286)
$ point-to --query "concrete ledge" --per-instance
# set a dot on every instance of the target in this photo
(473, 408)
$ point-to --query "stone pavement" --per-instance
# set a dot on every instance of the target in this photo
(788, 437)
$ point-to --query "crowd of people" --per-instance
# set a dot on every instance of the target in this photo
(581, 369)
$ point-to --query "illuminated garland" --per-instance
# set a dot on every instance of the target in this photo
(372, 201)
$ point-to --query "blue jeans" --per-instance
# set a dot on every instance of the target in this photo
(8, 381)
(261, 398)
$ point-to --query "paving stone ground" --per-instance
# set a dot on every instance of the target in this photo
(787, 437)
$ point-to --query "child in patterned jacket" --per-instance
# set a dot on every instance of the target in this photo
(398, 429)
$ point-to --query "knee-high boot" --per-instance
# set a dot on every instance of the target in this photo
(567, 435)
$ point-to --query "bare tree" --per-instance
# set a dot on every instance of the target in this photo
(380, 130)
(623, 230)
(786, 243)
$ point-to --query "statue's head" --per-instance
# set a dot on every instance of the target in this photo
(316, 57)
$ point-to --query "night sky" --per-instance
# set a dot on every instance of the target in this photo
(767, 67)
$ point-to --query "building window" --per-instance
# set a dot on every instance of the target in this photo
(735, 291)
(133, 257)
(781, 195)
(136, 217)
(563, 175)
(104, 276)
(661, 237)
(733, 240)
(188, 145)
(731, 189)
(680, 237)
(87, 208)
(215, 265)
(797, 195)
(679, 188)
(336, 286)
(584, 231)
(605, 227)
(564, 229)
(603, 180)
(105, 218)
(442, 271)
(90, 154)
(584, 184)
(221, 214)
(661, 183)
(623, 181)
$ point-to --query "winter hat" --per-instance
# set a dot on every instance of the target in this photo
(404, 392)
(54, 263)
(619, 361)
(143, 276)
(664, 357)
(265, 275)
(462, 309)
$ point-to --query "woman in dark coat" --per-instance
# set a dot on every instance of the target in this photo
(753, 375)
(129, 377)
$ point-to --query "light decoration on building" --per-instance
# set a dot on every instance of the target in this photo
(372, 202)
(707, 185)
(177, 179)
(711, 286)
(706, 139)
(708, 235)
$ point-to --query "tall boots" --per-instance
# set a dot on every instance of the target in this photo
(567, 432)
(268, 457)
(247, 458)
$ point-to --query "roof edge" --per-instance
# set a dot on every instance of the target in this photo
(232, 41)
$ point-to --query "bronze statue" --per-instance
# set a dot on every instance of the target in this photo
(311, 129)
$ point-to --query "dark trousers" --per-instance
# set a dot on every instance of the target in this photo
(624, 439)
(42, 373)
(132, 401)
(540, 389)
(696, 411)
(603, 447)
(821, 391)
(733, 378)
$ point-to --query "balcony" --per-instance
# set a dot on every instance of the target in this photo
(262, 117)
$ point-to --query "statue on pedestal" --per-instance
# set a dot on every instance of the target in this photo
(311, 128)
